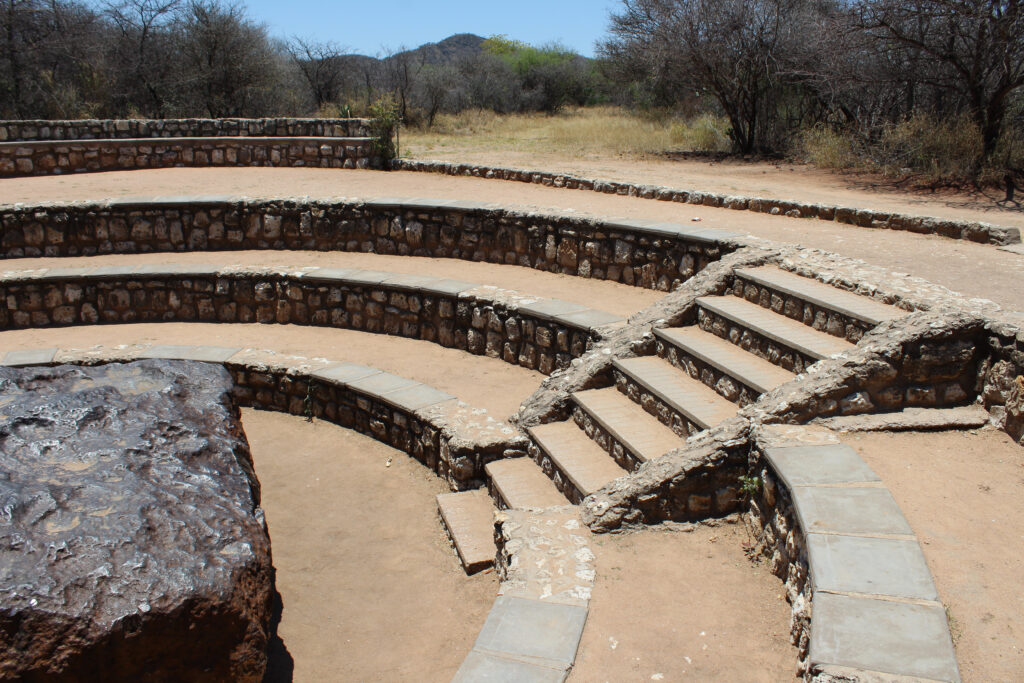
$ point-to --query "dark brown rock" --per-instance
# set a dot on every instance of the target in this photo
(132, 544)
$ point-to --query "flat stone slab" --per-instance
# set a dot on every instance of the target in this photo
(417, 397)
(790, 333)
(851, 305)
(381, 383)
(479, 667)
(910, 419)
(1017, 248)
(701, 404)
(896, 638)
(589, 319)
(28, 357)
(750, 370)
(876, 566)
(638, 431)
(848, 510)
(469, 518)
(209, 354)
(520, 483)
(817, 465)
(550, 309)
(532, 631)
(587, 467)
(343, 373)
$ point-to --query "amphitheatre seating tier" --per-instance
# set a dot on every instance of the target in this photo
(449, 437)
(975, 231)
(112, 129)
(54, 157)
(648, 254)
(536, 333)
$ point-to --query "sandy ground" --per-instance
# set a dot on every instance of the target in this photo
(371, 588)
(962, 493)
(482, 382)
(798, 182)
(607, 296)
(686, 605)
(953, 263)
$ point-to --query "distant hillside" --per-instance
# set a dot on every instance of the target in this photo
(448, 50)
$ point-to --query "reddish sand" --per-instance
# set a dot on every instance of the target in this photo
(962, 493)
(607, 296)
(686, 605)
(372, 590)
(953, 263)
(474, 382)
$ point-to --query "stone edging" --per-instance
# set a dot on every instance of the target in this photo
(110, 129)
(536, 333)
(866, 218)
(450, 437)
(547, 573)
(650, 254)
(56, 157)
(864, 602)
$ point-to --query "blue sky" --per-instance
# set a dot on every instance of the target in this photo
(368, 26)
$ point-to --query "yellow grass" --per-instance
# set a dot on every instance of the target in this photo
(575, 133)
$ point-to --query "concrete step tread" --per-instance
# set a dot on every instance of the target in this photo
(852, 305)
(587, 466)
(790, 333)
(521, 484)
(701, 404)
(632, 426)
(749, 369)
(469, 518)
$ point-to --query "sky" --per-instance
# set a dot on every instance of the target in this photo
(370, 26)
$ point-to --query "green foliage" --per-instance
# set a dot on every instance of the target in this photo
(749, 486)
(384, 121)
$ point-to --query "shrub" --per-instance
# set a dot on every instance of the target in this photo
(705, 133)
(384, 121)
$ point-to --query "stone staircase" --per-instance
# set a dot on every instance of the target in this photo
(755, 338)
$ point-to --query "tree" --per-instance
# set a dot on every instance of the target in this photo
(143, 58)
(972, 51)
(736, 51)
(323, 67)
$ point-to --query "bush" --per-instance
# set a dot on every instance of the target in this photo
(384, 121)
(705, 133)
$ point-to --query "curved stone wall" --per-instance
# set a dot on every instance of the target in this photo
(640, 253)
(454, 440)
(110, 129)
(82, 156)
(539, 334)
(974, 231)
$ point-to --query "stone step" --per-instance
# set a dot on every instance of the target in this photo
(626, 423)
(580, 462)
(520, 483)
(759, 375)
(789, 334)
(689, 397)
(845, 303)
(468, 517)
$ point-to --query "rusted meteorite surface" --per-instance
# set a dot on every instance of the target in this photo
(132, 544)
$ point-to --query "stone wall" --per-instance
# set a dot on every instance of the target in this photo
(866, 218)
(640, 253)
(453, 439)
(82, 156)
(535, 334)
(110, 129)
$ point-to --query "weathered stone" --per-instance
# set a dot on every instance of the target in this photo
(134, 544)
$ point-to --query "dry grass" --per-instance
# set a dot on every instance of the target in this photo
(575, 133)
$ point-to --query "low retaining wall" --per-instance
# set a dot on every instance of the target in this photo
(109, 129)
(862, 596)
(641, 253)
(453, 439)
(539, 334)
(81, 156)
(866, 218)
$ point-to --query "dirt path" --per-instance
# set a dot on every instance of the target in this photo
(371, 588)
(473, 379)
(687, 606)
(607, 296)
(953, 263)
(797, 182)
(962, 493)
